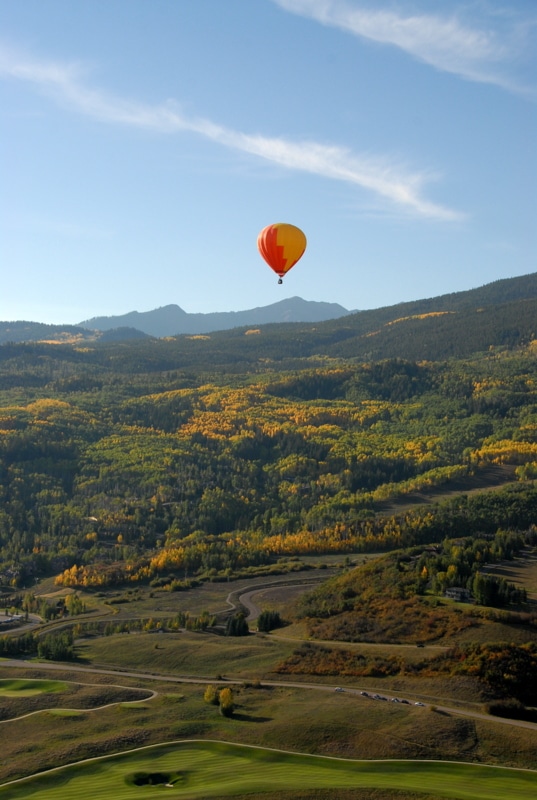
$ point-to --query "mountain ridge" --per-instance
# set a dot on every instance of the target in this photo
(333, 322)
(172, 320)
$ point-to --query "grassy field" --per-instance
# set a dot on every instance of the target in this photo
(256, 657)
(197, 654)
(215, 769)
(303, 720)
(522, 571)
(85, 714)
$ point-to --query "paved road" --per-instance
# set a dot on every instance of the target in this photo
(461, 712)
(244, 599)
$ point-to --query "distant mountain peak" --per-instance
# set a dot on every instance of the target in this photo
(358, 327)
(172, 320)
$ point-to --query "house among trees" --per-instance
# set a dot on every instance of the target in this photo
(7, 619)
(458, 593)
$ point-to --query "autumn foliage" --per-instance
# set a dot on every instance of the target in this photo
(111, 477)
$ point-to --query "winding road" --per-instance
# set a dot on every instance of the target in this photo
(243, 598)
(355, 692)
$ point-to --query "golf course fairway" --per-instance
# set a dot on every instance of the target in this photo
(205, 769)
(29, 688)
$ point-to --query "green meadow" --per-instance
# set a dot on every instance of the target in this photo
(197, 769)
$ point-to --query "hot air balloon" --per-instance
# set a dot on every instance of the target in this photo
(281, 245)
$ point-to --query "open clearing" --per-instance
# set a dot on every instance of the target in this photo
(522, 571)
(214, 769)
(484, 479)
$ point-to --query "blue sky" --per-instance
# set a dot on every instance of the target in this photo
(145, 143)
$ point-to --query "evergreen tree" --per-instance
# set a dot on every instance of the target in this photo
(268, 621)
(237, 625)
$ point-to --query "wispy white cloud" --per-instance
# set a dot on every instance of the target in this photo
(482, 51)
(382, 176)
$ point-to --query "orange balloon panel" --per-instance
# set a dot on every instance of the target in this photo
(281, 245)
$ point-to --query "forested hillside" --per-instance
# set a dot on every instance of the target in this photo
(143, 467)
(118, 465)
(499, 314)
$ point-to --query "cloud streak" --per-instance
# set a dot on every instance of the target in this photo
(481, 54)
(65, 84)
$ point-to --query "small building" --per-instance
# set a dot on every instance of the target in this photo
(458, 593)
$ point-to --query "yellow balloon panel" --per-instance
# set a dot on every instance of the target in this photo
(281, 245)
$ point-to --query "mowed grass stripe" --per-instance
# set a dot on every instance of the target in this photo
(201, 769)
(28, 687)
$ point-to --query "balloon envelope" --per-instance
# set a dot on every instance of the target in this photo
(281, 245)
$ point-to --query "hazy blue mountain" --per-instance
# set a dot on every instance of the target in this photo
(487, 307)
(172, 320)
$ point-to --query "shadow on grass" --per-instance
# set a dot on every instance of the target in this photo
(250, 717)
